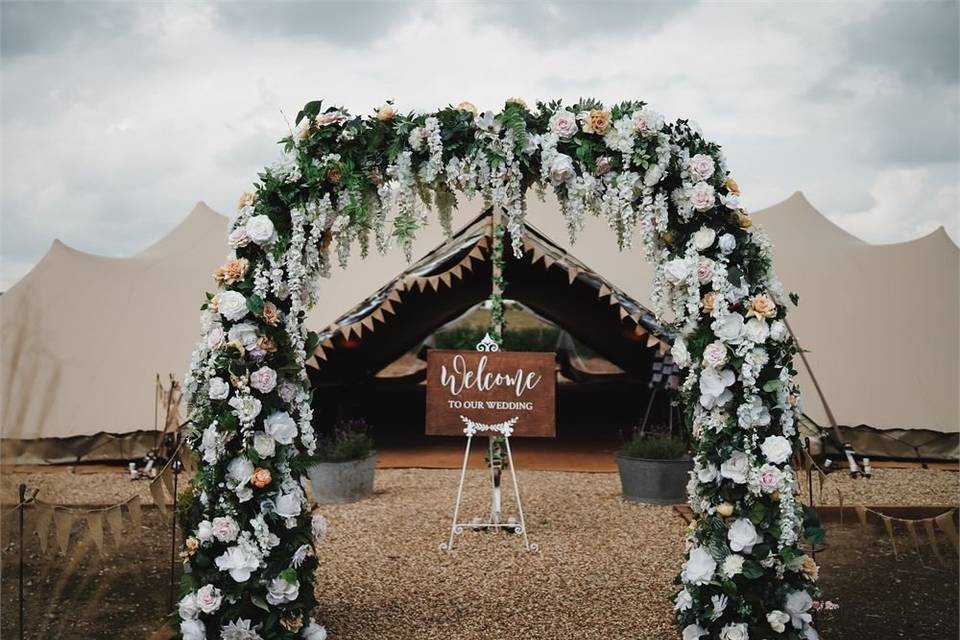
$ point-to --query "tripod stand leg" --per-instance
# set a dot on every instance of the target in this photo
(516, 493)
(455, 527)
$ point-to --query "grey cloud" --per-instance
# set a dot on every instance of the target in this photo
(345, 23)
(554, 22)
(42, 27)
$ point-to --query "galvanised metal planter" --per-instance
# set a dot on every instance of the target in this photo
(654, 481)
(343, 482)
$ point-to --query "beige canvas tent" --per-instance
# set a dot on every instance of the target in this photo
(83, 337)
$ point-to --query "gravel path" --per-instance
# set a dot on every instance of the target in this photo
(605, 568)
(888, 487)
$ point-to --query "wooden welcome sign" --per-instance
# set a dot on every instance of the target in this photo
(491, 387)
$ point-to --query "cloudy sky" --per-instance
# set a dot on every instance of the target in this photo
(117, 118)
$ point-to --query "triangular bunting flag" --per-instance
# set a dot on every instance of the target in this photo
(320, 354)
(167, 477)
(41, 524)
(484, 241)
(327, 344)
(477, 253)
(445, 278)
(159, 499)
(861, 515)
(652, 340)
(548, 261)
(388, 306)
(945, 522)
(623, 313)
(932, 534)
(367, 322)
(63, 523)
(136, 516)
(394, 295)
(434, 282)
(888, 525)
(114, 518)
(457, 272)
(604, 290)
(467, 263)
(572, 273)
(537, 254)
(378, 315)
(95, 529)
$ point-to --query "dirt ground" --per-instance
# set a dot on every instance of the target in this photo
(604, 571)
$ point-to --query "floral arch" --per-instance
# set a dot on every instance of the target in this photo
(346, 181)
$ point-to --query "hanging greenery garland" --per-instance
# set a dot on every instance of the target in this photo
(347, 181)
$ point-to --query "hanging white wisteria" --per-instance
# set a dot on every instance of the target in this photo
(344, 178)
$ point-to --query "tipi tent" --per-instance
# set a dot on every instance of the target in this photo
(83, 337)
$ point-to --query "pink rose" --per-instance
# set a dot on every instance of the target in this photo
(705, 270)
(702, 196)
(701, 167)
(770, 478)
(564, 124)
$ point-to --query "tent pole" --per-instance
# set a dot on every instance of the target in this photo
(823, 398)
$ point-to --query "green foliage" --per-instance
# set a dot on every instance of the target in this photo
(351, 440)
(654, 447)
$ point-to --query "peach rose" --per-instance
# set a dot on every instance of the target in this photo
(469, 107)
(292, 622)
(762, 306)
(266, 344)
(667, 237)
(810, 568)
(233, 271)
(596, 121)
(744, 220)
(271, 315)
(731, 185)
(236, 344)
(387, 112)
(709, 301)
(725, 509)
(192, 544)
(261, 477)
(246, 200)
(334, 175)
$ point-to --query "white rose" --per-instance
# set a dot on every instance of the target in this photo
(715, 355)
(245, 333)
(713, 387)
(281, 427)
(314, 631)
(238, 238)
(239, 470)
(677, 271)
(756, 330)
(204, 531)
(318, 527)
(797, 604)
(778, 620)
(704, 270)
(732, 565)
(683, 602)
(736, 467)
(730, 200)
(188, 607)
(215, 337)
(653, 175)
(260, 230)
(699, 567)
(727, 244)
(728, 327)
(735, 631)
(681, 356)
(193, 630)
(647, 121)
(263, 379)
(225, 529)
(742, 535)
(702, 196)
(232, 305)
(707, 474)
(264, 445)
(219, 389)
(287, 505)
(209, 598)
(778, 331)
(564, 124)
(561, 169)
(238, 562)
(777, 449)
(279, 591)
(769, 478)
(701, 167)
(703, 238)
(694, 632)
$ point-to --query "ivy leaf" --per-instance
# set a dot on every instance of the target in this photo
(258, 601)
(255, 304)
(757, 512)
(814, 535)
(771, 386)
(752, 569)
(795, 299)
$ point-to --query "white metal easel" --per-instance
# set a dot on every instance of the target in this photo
(504, 429)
